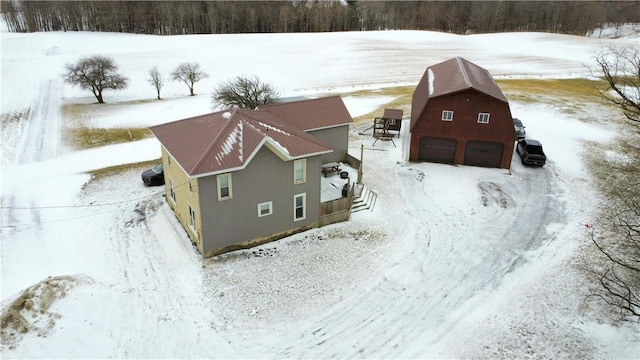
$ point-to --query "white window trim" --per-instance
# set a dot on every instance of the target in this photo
(219, 189)
(192, 218)
(304, 207)
(481, 116)
(304, 171)
(269, 205)
(447, 112)
(391, 122)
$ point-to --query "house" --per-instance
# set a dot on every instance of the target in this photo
(240, 178)
(460, 116)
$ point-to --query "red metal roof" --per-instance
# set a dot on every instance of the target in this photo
(227, 140)
(393, 114)
(451, 76)
(312, 114)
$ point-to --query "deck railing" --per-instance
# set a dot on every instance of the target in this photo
(337, 210)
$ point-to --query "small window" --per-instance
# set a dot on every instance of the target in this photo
(299, 207)
(192, 218)
(483, 118)
(172, 191)
(300, 171)
(391, 122)
(265, 208)
(224, 187)
(447, 115)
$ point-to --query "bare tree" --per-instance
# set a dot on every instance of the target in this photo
(96, 73)
(156, 79)
(616, 273)
(189, 73)
(246, 92)
(620, 67)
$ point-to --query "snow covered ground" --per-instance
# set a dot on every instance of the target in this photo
(453, 261)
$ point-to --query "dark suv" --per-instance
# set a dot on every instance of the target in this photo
(531, 152)
(520, 133)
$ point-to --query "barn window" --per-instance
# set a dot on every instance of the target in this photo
(483, 118)
(447, 115)
(391, 122)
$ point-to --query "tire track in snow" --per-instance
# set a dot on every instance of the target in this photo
(42, 135)
(409, 313)
(40, 141)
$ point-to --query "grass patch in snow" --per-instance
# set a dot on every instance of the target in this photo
(81, 137)
(553, 91)
(121, 169)
(402, 100)
(13, 118)
(12, 126)
(88, 137)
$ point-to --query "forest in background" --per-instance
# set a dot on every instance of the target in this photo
(228, 17)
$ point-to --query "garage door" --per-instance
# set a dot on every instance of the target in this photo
(480, 153)
(437, 150)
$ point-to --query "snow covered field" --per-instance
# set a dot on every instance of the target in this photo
(453, 261)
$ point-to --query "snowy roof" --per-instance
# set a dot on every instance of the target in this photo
(228, 140)
(451, 76)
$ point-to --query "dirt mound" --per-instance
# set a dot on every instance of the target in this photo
(29, 312)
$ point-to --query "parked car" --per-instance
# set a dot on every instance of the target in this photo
(153, 176)
(520, 133)
(531, 152)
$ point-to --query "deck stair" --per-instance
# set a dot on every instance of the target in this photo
(363, 198)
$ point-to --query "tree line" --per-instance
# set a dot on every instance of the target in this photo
(226, 17)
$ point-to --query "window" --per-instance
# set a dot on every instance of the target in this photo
(265, 208)
(192, 218)
(391, 122)
(300, 171)
(483, 118)
(299, 207)
(172, 191)
(224, 187)
(447, 115)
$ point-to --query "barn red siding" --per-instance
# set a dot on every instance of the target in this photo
(465, 127)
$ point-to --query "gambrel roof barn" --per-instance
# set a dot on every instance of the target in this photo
(459, 115)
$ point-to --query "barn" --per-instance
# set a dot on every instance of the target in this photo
(460, 116)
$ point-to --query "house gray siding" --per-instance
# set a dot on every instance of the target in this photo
(336, 138)
(266, 178)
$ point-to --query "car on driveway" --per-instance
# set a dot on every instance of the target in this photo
(153, 176)
(531, 152)
(520, 133)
